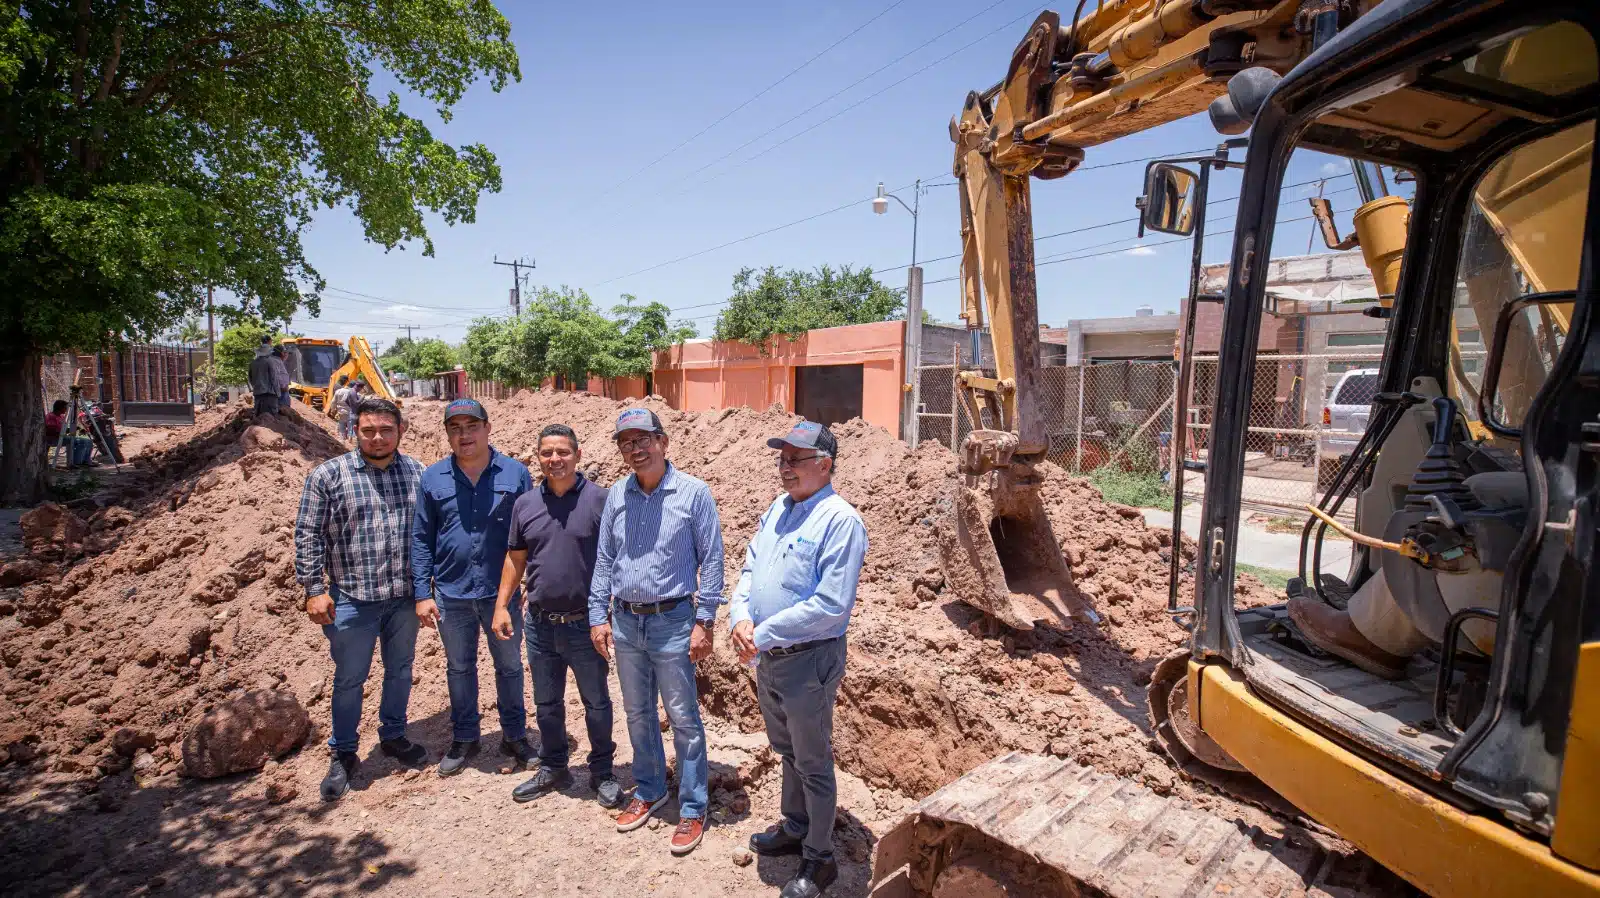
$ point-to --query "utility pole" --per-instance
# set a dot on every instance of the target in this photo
(409, 328)
(211, 331)
(516, 266)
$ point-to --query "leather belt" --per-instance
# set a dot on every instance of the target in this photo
(656, 607)
(563, 617)
(799, 647)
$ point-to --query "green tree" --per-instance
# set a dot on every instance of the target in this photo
(645, 330)
(770, 303)
(237, 346)
(419, 358)
(151, 149)
(189, 332)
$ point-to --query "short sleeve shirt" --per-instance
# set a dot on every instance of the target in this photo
(561, 535)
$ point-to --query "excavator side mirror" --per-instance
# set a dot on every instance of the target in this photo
(1167, 206)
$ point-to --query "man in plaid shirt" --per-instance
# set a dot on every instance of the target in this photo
(352, 553)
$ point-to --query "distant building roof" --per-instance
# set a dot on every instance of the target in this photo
(1330, 277)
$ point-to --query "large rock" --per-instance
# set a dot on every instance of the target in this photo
(244, 733)
(50, 526)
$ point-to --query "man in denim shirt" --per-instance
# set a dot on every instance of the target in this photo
(790, 610)
(458, 549)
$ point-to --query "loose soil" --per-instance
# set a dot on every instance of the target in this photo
(179, 594)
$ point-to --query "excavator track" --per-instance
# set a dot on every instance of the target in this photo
(1036, 825)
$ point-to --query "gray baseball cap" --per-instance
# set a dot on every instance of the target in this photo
(808, 435)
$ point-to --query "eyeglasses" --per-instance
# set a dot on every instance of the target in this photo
(791, 462)
(626, 446)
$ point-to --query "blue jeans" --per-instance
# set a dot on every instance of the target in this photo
(653, 659)
(552, 649)
(357, 628)
(459, 623)
(82, 450)
(283, 401)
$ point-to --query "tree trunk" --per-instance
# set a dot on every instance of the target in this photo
(22, 467)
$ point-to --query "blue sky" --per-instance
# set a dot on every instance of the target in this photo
(608, 89)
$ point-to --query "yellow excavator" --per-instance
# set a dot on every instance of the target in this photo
(316, 365)
(1438, 705)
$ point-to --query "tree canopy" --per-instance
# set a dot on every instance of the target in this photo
(770, 303)
(561, 333)
(419, 358)
(152, 149)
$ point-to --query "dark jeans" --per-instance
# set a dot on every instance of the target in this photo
(459, 623)
(797, 694)
(357, 628)
(283, 402)
(552, 649)
(266, 404)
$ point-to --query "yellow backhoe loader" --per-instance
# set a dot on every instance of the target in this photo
(1464, 754)
(315, 367)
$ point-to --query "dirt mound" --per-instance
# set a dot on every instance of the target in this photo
(931, 690)
(185, 598)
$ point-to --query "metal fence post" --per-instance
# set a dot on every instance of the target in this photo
(1077, 429)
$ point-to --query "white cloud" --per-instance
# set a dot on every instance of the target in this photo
(1141, 250)
(400, 310)
(1329, 169)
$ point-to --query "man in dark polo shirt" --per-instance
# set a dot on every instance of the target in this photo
(553, 539)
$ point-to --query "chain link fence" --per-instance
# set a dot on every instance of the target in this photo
(1306, 413)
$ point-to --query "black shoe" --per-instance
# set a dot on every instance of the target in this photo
(405, 751)
(340, 769)
(607, 791)
(812, 880)
(546, 780)
(775, 841)
(524, 754)
(455, 760)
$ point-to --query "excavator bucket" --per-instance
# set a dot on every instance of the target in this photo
(1001, 556)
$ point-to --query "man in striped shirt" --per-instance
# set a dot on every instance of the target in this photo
(657, 584)
(352, 553)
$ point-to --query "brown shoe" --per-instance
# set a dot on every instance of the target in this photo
(688, 835)
(1331, 630)
(638, 812)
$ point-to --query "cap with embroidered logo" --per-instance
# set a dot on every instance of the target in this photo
(638, 419)
(808, 435)
(470, 407)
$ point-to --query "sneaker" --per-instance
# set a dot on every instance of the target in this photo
(340, 769)
(455, 760)
(405, 751)
(607, 790)
(638, 812)
(688, 835)
(546, 780)
(523, 753)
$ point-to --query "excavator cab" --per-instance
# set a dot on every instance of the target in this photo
(1436, 700)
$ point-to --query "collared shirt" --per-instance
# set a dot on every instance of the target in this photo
(800, 571)
(653, 546)
(458, 542)
(561, 535)
(353, 531)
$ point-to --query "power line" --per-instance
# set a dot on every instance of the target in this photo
(759, 94)
(859, 103)
(385, 301)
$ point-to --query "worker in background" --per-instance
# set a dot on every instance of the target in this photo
(352, 554)
(280, 374)
(657, 585)
(341, 406)
(80, 449)
(358, 392)
(554, 538)
(789, 614)
(263, 382)
(458, 549)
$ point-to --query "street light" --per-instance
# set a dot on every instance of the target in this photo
(911, 390)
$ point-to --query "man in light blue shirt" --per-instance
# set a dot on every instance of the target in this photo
(790, 610)
(657, 584)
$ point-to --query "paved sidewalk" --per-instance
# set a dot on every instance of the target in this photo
(1257, 546)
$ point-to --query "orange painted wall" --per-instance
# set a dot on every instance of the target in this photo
(707, 375)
